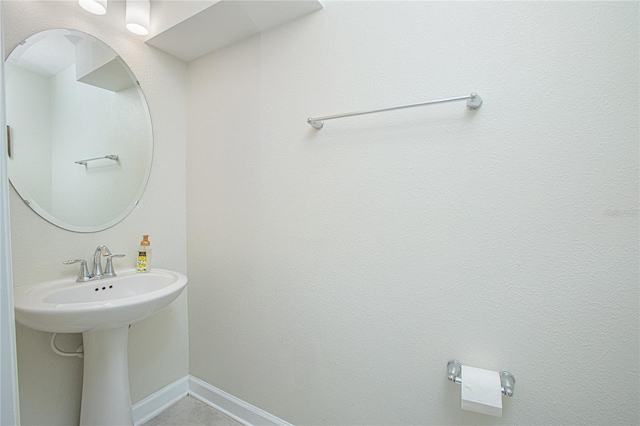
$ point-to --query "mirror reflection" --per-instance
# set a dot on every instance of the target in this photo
(80, 133)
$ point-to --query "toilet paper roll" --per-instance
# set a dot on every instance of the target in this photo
(481, 391)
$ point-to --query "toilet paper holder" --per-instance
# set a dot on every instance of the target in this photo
(507, 381)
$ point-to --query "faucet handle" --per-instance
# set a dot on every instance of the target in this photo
(108, 269)
(83, 275)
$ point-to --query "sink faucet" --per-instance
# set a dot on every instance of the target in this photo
(96, 271)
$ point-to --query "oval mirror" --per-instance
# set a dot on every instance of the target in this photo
(79, 130)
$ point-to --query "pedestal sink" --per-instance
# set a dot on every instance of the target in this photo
(102, 311)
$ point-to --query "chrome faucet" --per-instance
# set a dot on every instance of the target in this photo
(101, 250)
(96, 271)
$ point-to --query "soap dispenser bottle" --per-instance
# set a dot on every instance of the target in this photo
(144, 255)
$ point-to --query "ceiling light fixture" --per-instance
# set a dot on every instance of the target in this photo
(137, 16)
(99, 7)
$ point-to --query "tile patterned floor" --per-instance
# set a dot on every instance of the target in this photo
(191, 412)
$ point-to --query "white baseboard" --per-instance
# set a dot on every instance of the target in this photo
(156, 403)
(233, 407)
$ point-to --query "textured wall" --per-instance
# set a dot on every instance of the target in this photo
(50, 385)
(334, 273)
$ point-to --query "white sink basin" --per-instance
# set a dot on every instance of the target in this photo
(65, 306)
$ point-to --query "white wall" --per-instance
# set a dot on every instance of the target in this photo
(333, 274)
(50, 385)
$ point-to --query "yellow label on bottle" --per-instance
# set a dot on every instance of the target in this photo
(142, 261)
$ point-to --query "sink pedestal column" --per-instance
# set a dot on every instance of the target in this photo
(105, 387)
